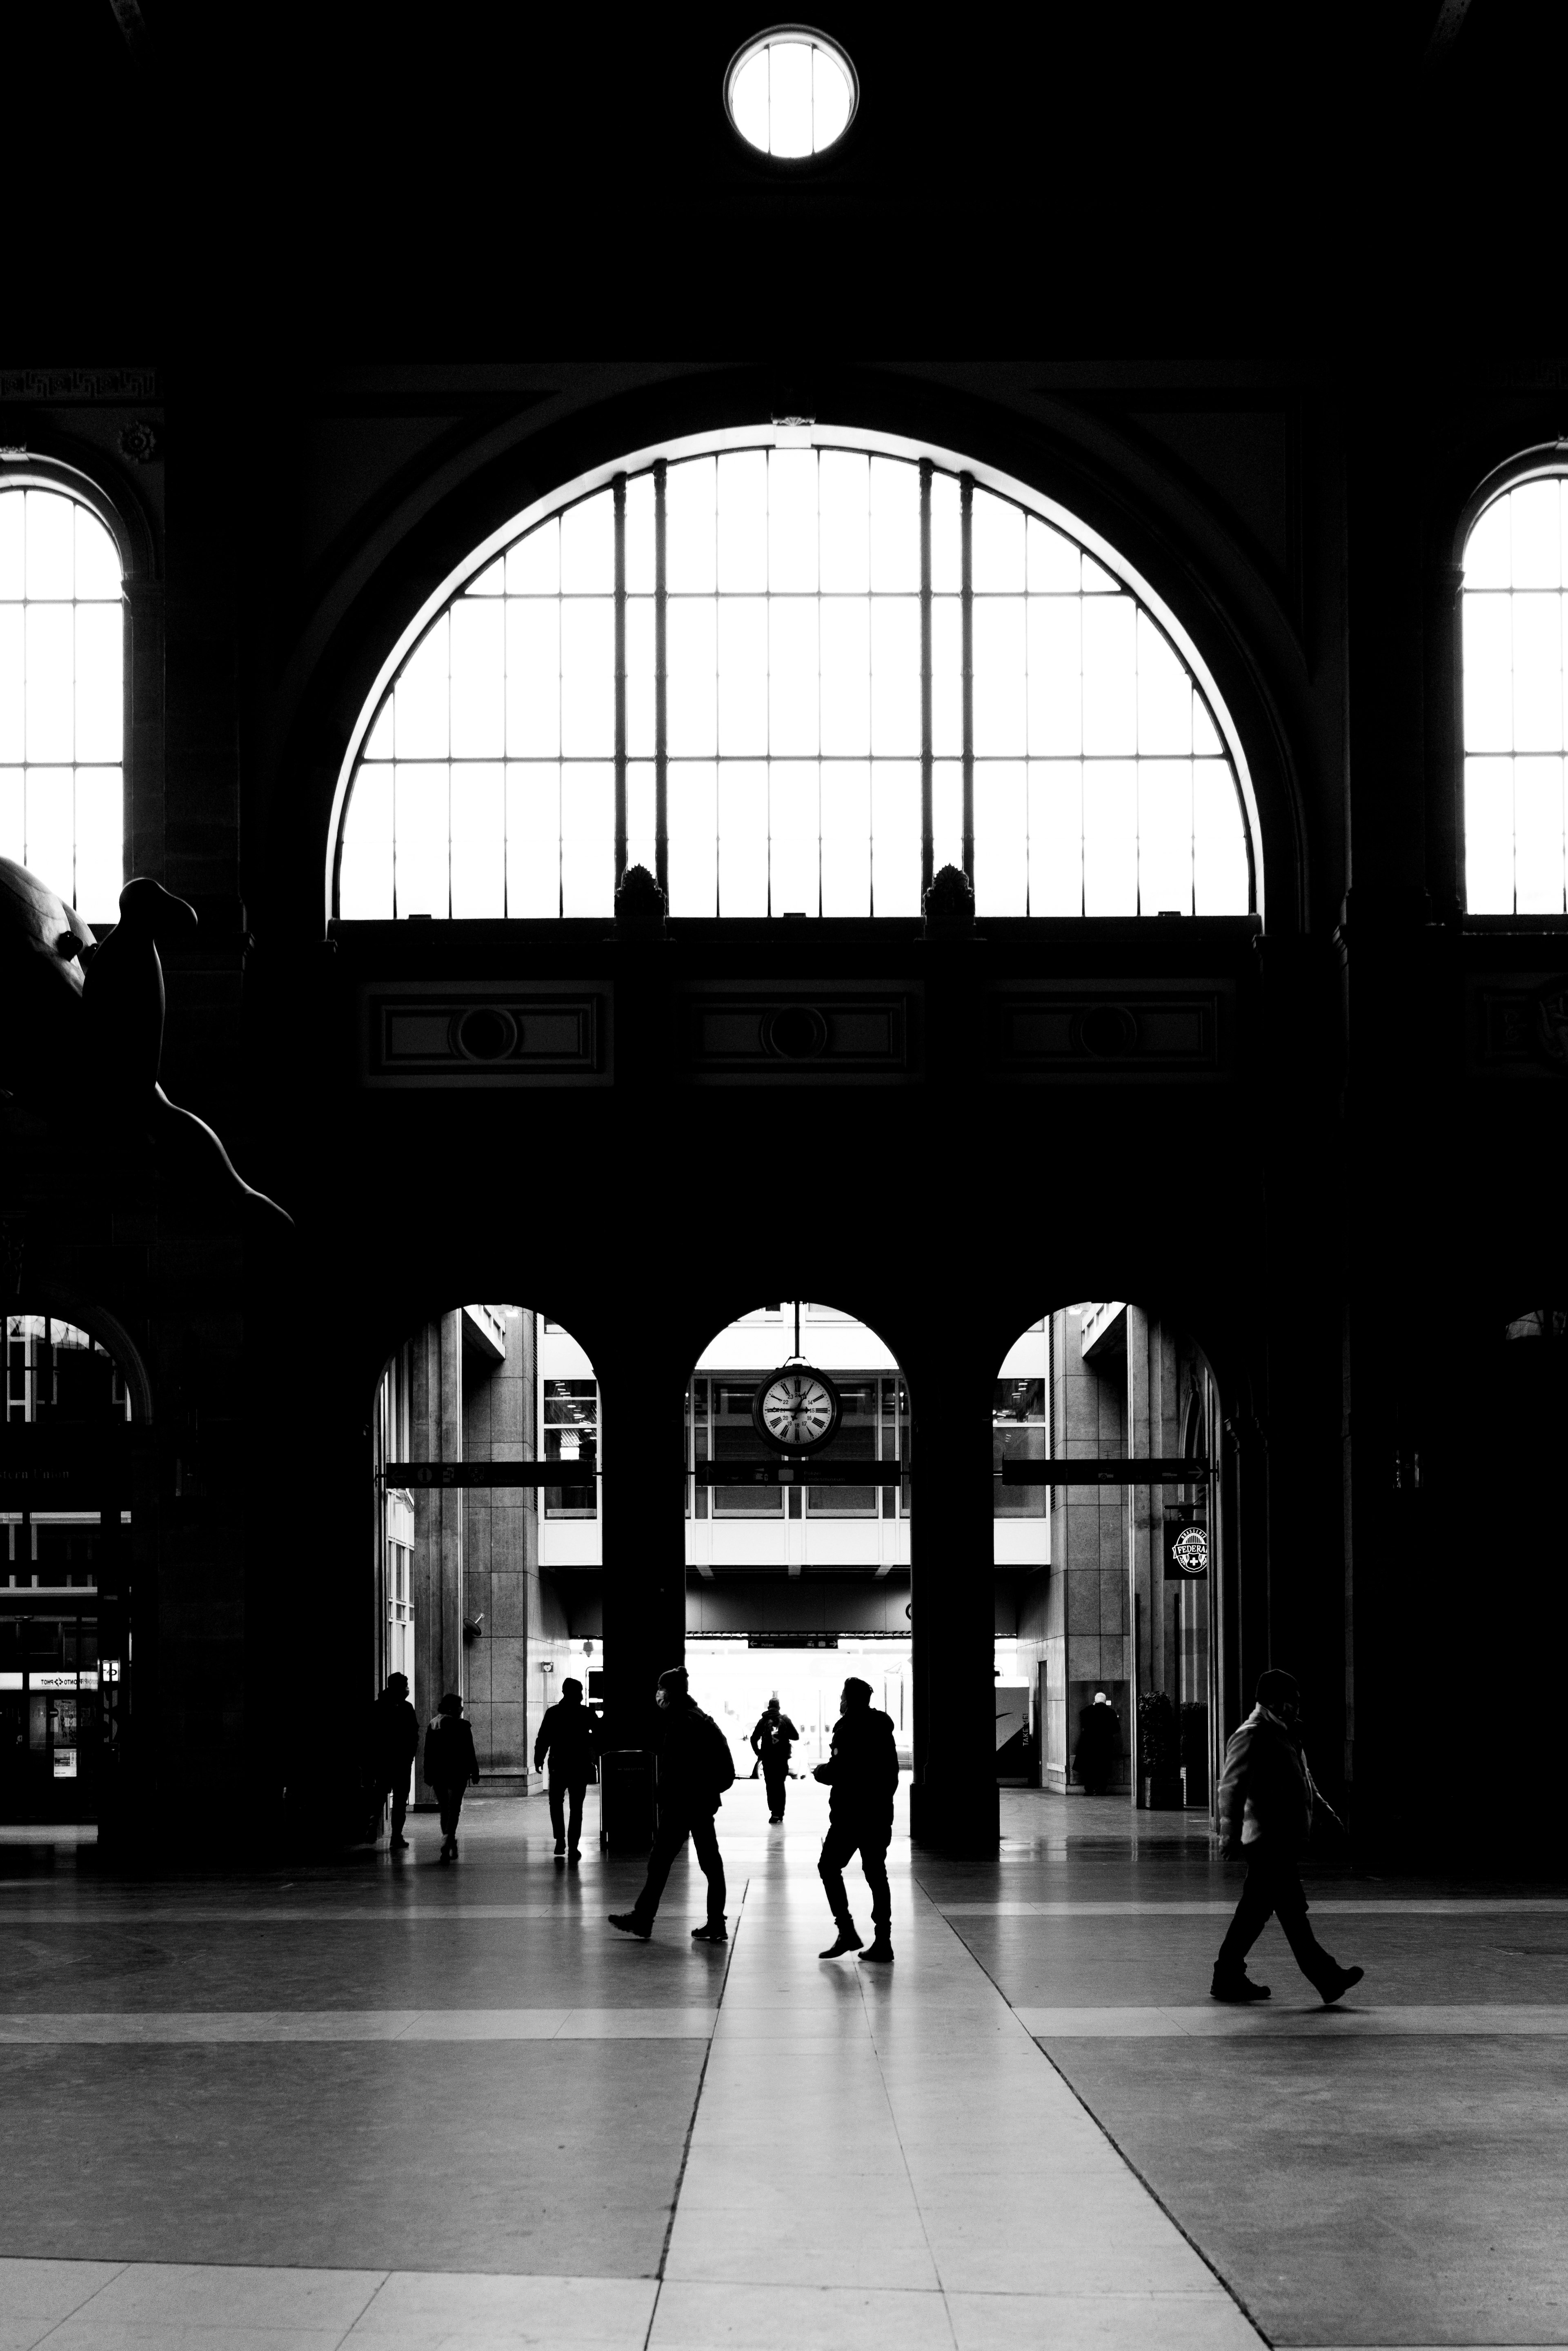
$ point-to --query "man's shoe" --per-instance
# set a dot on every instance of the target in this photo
(560, 1849)
(627, 1922)
(443, 1854)
(398, 1844)
(1339, 1983)
(573, 1854)
(880, 1952)
(711, 1934)
(1237, 1989)
(848, 1940)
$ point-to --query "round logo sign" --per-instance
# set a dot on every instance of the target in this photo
(1190, 1551)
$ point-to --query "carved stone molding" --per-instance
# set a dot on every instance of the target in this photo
(455, 1034)
(792, 1037)
(1112, 1032)
(1523, 1025)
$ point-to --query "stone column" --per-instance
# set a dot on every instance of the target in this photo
(436, 1435)
(953, 1803)
(642, 1387)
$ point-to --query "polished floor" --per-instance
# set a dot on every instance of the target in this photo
(429, 2109)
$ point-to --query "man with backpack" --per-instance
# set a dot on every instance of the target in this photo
(450, 1765)
(771, 1741)
(696, 1766)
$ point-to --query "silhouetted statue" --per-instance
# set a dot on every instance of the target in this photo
(1265, 1804)
(569, 1737)
(861, 1769)
(696, 1766)
(771, 1740)
(84, 1020)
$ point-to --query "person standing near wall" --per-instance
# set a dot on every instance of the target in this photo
(1265, 1804)
(451, 1766)
(569, 1737)
(394, 1743)
(696, 1766)
(861, 1769)
(1099, 1747)
(771, 1741)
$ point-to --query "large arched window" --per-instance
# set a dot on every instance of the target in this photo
(1515, 620)
(793, 681)
(61, 697)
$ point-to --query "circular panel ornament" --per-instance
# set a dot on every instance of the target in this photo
(1190, 1551)
(796, 1409)
(790, 92)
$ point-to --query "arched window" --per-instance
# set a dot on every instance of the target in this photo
(1514, 605)
(61, 697)
(793, 681)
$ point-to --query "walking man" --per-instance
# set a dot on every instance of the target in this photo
(450, 1766)
(861, 1771)
(394, 1743)
(1265, 1796)
(771, 1740)
(696, 1766)
(568, 1735)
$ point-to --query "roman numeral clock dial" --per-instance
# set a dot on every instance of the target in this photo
(796, 1410)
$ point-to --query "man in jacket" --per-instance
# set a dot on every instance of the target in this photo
(861, 1771)
(1099, 1747)
(695, 1768)
(394, 1743)
(569, 1735)
(771, 1740)
(1265, 1802)
(450, 1766)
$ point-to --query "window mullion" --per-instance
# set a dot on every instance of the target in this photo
(927, 821)
(661, 747)
(966, 590)
(618, 492)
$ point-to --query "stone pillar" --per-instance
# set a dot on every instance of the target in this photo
(500, 1540)
(1088, 1525)
(642, 1387)
(436, 1435)
(953, 1804)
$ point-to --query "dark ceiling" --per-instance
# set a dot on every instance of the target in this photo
(467, 176)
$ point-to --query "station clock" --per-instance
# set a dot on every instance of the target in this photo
(796, 1409)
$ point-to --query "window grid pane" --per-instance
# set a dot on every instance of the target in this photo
(744, 688)
(62, 636)
(1514, 657)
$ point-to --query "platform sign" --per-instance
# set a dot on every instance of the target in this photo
(1152, 1469)
(791, 1640)
(466, 1475)
(800, 1473)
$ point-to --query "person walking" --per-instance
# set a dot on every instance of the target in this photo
(451, 1766)
(1265, 1805)
(771, 1741)
(394, 1743)
(1099, 1747)
(696, 1766)
(569, 1735)
(861, 1771)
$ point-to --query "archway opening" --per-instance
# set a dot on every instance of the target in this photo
(486, 1516)
(65, 1510)
(798, 1530)
(1106, 1650)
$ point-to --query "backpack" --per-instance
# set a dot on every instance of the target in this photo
(722, 1761)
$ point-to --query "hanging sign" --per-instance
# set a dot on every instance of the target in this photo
(1187, 1543)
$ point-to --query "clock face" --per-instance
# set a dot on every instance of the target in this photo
(797, 1410)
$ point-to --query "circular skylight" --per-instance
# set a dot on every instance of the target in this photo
(792, 93)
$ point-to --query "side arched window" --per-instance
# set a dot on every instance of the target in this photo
(1514, 605)
(61, 697)
(793, 681)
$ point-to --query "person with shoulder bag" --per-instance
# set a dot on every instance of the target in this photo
(696, 1766)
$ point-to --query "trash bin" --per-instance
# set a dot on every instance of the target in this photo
(626, 1799)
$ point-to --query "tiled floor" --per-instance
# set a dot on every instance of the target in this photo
(416, 2107)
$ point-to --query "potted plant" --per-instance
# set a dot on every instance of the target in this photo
(1159, 1754)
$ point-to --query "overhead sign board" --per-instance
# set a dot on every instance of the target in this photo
(1152, 1469)
(420, 1474)
(800, 1473)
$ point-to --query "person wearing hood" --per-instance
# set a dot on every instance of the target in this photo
(1265, 1804)
(394, 1743)
(451, 1766)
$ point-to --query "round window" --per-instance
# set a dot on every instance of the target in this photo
(790, 92)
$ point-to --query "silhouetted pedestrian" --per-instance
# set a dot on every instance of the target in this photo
(861, 1771)
(1266, 1795)
(696, 1766)
(394, 1743)
(569, 1735)
(1099, 1747)
(450, 1766)
(771, 1741)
